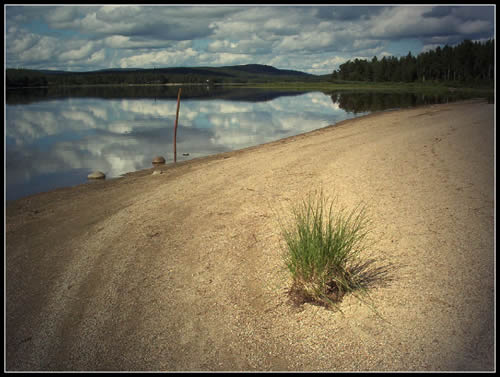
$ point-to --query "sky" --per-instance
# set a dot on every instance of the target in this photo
(314, 39)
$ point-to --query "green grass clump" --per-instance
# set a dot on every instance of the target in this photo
(322, 249)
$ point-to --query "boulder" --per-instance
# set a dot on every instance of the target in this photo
(158, 160)
(96, 175)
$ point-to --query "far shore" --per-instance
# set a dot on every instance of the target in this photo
(319, 85)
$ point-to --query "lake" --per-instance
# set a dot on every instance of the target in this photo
(54, 137)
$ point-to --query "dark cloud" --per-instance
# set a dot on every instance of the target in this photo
(441, 23)
(462, 12)
(461, 22)
(348, 13)
(20, 14)
(476, 13)
(438, 12)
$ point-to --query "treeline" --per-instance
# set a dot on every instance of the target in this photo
(25, 78)
(469, 62)
(122, 78)
(195, 75)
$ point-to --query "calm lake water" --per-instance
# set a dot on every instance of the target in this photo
(56, 137)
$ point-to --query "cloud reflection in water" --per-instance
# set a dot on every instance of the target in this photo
(58, 142)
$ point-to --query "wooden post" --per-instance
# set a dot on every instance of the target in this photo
(175, 127)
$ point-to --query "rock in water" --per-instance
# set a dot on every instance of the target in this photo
(96, 175)
(158, 160)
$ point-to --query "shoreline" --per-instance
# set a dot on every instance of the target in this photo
(182, 270)
(201, 159)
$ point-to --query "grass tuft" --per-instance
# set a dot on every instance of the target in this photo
(322, 249)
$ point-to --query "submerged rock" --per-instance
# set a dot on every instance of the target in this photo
(96, 175)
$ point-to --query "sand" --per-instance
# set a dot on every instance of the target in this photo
(183, 270)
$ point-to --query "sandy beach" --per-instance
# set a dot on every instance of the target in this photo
(183, 270)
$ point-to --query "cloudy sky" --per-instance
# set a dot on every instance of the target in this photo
(314, 39)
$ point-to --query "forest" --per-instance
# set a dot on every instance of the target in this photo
(469, 62)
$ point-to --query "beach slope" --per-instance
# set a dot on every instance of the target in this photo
(183, 271)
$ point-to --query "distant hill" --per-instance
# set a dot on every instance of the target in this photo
(51, 72)
(248, 73)
(258, 69)
(266, 70)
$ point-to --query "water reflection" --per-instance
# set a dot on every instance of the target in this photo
(55, 137)
(201, 92)
(357, 101)
(57, 141)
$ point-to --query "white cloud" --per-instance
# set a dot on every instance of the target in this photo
(307, 41)
(217, 46)
(28, 47)
(97, 57)
(80, 52)
(164, 58)
(125, 42)
(20, 40)
(332, 63)
(92, 23)
(59, 15)
(224, 58)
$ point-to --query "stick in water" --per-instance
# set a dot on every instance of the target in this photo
(175, 127)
